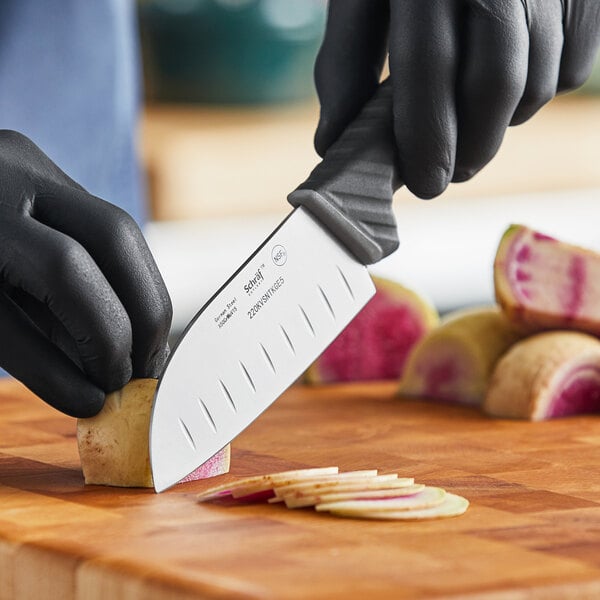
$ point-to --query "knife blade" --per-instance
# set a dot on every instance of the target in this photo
(284, 305)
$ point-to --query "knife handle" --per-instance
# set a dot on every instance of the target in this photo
(350, 191)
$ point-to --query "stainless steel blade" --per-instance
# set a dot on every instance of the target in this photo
(251, 341)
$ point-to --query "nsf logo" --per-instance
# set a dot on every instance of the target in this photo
(279, 255)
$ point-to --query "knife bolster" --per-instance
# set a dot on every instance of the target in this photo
(359, 242)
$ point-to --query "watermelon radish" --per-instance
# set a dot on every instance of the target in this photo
(347, 478)
(378, 341)
(454, 361)
(548, 375)
(354, 494)
(301, 501)
(452, 506)
(214, 466)
(425, 498)
(266, 483)
(113, 445)
(544, 283)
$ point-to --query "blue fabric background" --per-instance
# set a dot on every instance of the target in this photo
(69, 80)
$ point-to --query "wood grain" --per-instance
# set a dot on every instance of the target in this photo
(532, 531)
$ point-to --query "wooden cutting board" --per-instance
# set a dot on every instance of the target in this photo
(532, 531)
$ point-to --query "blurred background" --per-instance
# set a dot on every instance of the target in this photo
(226, 134)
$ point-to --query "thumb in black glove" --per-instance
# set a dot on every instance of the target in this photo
(83, 307)
(462, 71)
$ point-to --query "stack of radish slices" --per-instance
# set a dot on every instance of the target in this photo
(358, 494)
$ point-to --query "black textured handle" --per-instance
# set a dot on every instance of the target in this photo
(350, 191)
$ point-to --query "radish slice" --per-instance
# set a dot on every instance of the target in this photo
(358, 494)
(302, 501)
(271, 479)
(452, 506)
(308, 481)
(344, 486)
(430, 496)
(350, 488)
(350, 483)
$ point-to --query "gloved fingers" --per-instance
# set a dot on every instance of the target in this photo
(581, 27)
(424, 53)
(19, 152)
(491, 82)
(43, 318)
(116, 244)
(349, 63)
(57, 270)
(30, 357)
(545, 49)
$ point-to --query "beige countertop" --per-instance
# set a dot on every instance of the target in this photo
(218, 162)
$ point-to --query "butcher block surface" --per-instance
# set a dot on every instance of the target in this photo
(532, 530)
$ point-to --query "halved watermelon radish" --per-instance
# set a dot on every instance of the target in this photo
(378, 341)
(454, 362)
(550, 374)
(544, 283)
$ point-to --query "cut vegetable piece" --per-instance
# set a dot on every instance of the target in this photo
(345, 484)
(283, 477)
(262, 496)
(379, 339)
(114, 446)
(393, 499)
(546, 284)
(430, 496)
(452, 506)
(550, 374)
(389, 480)
(307, 481)
(326, 497)
(454, 361)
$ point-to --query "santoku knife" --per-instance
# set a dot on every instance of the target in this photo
(284, 305)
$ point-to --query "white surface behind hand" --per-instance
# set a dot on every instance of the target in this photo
(446, 252)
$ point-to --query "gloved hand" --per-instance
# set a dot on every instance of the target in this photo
(462, 71)
(83, 307)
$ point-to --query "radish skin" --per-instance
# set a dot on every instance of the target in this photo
(548, 375)
(114, 445)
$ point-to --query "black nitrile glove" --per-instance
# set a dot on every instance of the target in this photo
(83, 307)
(462, 71)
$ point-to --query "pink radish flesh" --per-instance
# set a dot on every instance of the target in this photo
(216, 465)
(547, 283)
(443, 379)
(375, 345)
(580, 395)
